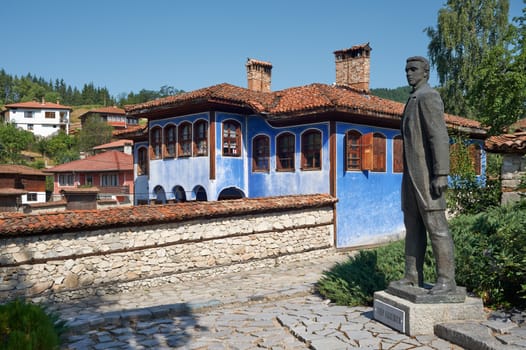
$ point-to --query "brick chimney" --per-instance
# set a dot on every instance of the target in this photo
(258, 75)
(353, 67)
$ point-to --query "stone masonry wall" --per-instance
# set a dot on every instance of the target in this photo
(60, 264)
(512, 173)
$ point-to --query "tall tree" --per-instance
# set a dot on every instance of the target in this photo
(95, 132)
(466, 31)
(12, 141)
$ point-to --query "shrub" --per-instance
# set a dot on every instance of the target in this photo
(27, 326)
(491, 254)
(354, 282)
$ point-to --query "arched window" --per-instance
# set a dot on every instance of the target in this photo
(179, 194)
(398, 154)
(379, 145)
(170, 141)
(261, 154)
(353, 144)
(156, 143)
(285, 149)
(201, 138)
(231, 139)
(185, 140)
(142, 161)
(311, 150)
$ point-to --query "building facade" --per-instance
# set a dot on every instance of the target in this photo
(225, 142)
(41, 118)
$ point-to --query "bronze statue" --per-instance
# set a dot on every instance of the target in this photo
(424, 182)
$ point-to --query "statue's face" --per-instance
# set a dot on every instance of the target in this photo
(415, 73)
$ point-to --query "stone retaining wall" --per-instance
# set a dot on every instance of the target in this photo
(513, 173)
(76, 254)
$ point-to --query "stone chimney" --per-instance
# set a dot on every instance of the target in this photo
(258, 75)
(353, 67)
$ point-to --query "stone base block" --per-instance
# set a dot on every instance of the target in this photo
(419, 319)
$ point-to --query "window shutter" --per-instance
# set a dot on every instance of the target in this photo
(367, 151)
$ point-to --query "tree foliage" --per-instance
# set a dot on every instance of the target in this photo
(95, 132)
(12, 141)
(400, 94)
(465, 33)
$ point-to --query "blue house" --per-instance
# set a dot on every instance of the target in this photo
(225, 141)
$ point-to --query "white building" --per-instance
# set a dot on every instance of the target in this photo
(41, 118)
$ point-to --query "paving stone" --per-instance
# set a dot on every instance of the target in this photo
(328, 343)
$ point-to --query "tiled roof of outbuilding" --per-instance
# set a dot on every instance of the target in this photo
(20, 169)
(37, 105)
(23, 224)
(507, 143)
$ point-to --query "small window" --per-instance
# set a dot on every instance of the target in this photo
(28, 114)
(30, 126)
(311, 150)
(201, 138)
(379, 159)
(185, 140)
(170, 141)
(285, 149)
(65, 180)
(398, 154)
(142, 161)
(109, 180)
(474, 156)
(31, 197)
(261, 154)
(354, 150)
(50, 115)
(231, 139)
(156, 143)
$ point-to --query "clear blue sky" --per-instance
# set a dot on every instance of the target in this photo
(129, 45)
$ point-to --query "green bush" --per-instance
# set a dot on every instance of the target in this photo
(491, 254)
(354, 282)
(27, 326)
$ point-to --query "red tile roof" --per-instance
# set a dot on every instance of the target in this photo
(6, 191)
(106, 161)
(20, 169)
(295, 102)
(37, 105)
(118, 143)
(104, 110)
(12, 224)
(507, 143)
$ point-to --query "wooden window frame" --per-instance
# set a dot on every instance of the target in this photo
(353, 143)
(311, 150)
(286, 152)
(261, 154)
(231, 143)
(398, 154)
(475, 155)
(156, 143)
(184, 138)
(50, 115)
(170, 141)
(201, 138)
(142, 161)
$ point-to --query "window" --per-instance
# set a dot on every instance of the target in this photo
(311, 150)
(185, 140)
(474, 156)
(156, 143)
(354, 150)
(142, 161)
(231, 139)
(260, 154)
(30, 126)
(50, 115)
(201, 138)
(31, 197)
(170, 141)
(89, 180)
(109, 180)
(65, 180)
(398, 154)
(285, 152)
(28, 114)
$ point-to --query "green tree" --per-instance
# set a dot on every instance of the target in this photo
(466, 31)
(499, 94)
(12, 141)
(95, 131)
(61, 148)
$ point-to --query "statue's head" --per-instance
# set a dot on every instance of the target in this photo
(417, 70)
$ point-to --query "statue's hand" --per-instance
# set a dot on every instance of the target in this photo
(439, 185)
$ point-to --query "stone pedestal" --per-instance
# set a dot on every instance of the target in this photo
(420, 318)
